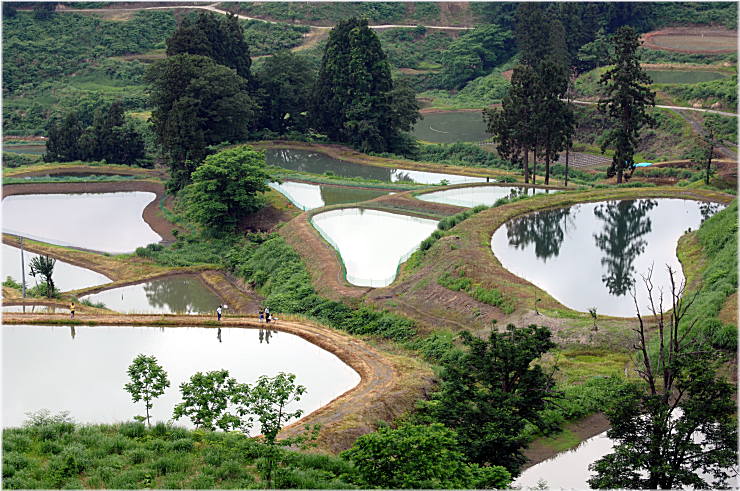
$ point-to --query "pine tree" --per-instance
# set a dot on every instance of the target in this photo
(627, 97)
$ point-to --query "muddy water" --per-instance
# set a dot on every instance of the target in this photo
(83, 369)
(372, 243)
(309, 196)
(591, 254)
(478, 195)
(683, 76)
(172, 295)
(30, 148)
(451, 127)
(66, 276)
(109, 222)
(319, 163)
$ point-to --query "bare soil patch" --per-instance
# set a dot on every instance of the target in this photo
(697, 40)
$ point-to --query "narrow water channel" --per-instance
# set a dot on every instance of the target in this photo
(108, 222)
(451, 127)
(83, 369)
(319, 163)
(372, 243)
(66, 276)
(593, 254)
(178, 294)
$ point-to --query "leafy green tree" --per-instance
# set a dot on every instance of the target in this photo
(267, 401)
(626, 98)
(491, 390)
(44, 266)
(148, 381)
(197, 103)
(225, 188)
(352, 98)
(112, 138)
(595, 53)
(474, 54)
(419, 457)
(218, 37)
(655, 428)
(286, 81)
(206, 398)
(44, 10)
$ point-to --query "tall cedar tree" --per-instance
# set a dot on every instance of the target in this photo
(490, 391)
(286, 81)
(197, 103)
(626, 98)
(353, 97)
(218, 37)
(655, 428)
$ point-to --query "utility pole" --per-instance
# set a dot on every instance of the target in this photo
(23, 272)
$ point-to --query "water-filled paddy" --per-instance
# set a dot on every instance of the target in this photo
(372, 243)
(309, 196)
(33, 149)
(35, 309)
(451, 127)
(170, 295)
(319, 163)
(478, 195)
(109, 222)
(83, 369)
(66, 276)
(683, 76)
(591, 254)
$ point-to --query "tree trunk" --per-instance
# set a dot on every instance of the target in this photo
(709, 164)
(534, 166)
(619, 174)
(526, 165)
(547, 168)
(567, 153)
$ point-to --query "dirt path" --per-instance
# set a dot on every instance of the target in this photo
(386, 388)
(213, 8)
(678, 108)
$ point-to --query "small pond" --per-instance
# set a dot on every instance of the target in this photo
(569, 469)
(83, 369)
(180, 294)
(708, 42)
(372, 243)
(25, 148)
(451, 127)
(109, 222)
(309, 196)
(319, 163)
(683, 76)
(591, 254)
(478, 195)
(66, 276)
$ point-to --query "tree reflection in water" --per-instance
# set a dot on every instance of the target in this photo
(708, 209)
(545, 229)
(180, 295)
(625, 222)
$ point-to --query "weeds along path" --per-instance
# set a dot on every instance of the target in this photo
(389, 384)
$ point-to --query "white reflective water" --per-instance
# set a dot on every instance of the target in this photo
(307, 196)
(592, 254)
(372, 243)
(470, 197)
(109, 222)
(83, 371)
(66, 276)
(421, 177)
(171, 295)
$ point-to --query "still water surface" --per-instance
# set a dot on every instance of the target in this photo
(66, 276)
(319, 163)
(83, 369)
(683, 76)
(478, 195)
(26, 148)
(171, 295)
(109, 222)
(451, 127)
(592, 254)
(372, 243)
(309, 196)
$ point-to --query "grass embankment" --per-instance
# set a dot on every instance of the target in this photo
(130, 456)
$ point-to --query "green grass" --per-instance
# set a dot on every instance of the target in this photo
(58, 454)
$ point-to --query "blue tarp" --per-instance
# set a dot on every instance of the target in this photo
(643, 164)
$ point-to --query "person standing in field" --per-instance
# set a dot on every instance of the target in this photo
(72, 310)
(218, 312)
